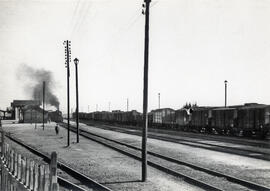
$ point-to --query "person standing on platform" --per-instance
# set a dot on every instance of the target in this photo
(56, 129)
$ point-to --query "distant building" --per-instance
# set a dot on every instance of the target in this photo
(2, 114)
(26, 110)
(34, 114)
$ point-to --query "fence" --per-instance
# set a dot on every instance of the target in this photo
(19, 173)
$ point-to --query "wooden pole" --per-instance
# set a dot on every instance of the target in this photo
(145, 93)
(43, 116)
(68, 55)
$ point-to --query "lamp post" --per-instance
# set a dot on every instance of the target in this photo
(127, 104)
(225, 82)
(158, 100)
(76, 61)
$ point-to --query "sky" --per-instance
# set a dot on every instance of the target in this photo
(194, 46)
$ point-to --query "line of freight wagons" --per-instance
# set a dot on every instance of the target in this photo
(250, 119)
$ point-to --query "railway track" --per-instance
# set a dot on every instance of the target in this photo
(208, 137)
(86, 183)
(195, 143)
(174, 166)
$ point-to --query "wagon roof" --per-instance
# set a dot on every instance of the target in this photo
(162, 109)
(202, 108)
(224, 108)
(259, 106)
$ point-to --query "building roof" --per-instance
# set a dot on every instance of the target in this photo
(33, 107)
(22, 103)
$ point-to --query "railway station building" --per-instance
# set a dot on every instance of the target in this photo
(28, 111)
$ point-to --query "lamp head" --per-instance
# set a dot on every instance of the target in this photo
(76, 60)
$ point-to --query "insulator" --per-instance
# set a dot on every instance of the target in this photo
(143, 5)
(143, 12)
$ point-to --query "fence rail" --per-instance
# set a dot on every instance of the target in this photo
(19, 173)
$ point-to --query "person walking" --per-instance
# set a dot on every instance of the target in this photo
(56, 129)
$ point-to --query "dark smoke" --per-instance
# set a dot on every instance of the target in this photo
(34, 83)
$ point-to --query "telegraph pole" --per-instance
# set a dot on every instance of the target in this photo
(43, 104)
(158, 100)
(145, 91)
(68, 59)
(76, 61)
(127, 104)
(35, 119)
(225, 82)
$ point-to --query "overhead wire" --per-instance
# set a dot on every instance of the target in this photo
(79, 17)
(72, 24)
(84, 15)
(131, 22)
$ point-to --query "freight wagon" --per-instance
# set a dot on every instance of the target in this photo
(162, 118)
(241, 120)
(254, 120)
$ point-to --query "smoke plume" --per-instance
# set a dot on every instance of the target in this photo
(33, 79)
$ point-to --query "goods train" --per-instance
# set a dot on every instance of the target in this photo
(249, 120)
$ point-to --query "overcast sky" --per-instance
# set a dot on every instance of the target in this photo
(194, 46)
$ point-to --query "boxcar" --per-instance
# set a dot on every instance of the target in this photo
(254, 120)
(182, 119)
(224, 119)
(164, 117)
(200, 119)
(131, 117)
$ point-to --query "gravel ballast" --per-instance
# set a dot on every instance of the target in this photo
(104, 165)
(250, 169)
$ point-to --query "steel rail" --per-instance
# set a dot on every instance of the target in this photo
(209, 171)
(74, 173)
(68, 185)
(227, 139)
(155, 165)
(227, 149)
